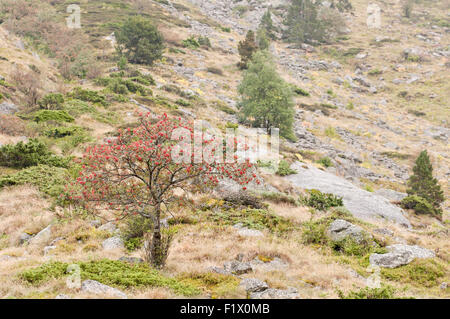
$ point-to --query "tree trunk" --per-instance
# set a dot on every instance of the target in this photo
(156, 249)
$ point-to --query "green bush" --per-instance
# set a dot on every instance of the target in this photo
(109, 272)
(300, 91)
(63, 131)
(88, 96)
(420, 272)
(28, 154)
(321, 201)
(385, 292)
(52, 101)
(48, 179)
(284, 169)
(191, 43)
(140, 41)
(253, 218)
(419, 205)
(325, 161)
(52, 115)
(134, 230)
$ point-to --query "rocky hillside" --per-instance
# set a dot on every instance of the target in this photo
(376, 98)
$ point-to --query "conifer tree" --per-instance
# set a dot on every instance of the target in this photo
(423, 184)
(246, 49)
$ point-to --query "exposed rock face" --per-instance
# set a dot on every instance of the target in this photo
(391, 194)
(43, 236)
(271, 293)
(360, 203)
(341, 229)
(97, 288)
(400, 255)
(113, 243)
(247, 232)
(253, 285)
(8, 108)
(237, 268)
(272, 265)
(108, 227)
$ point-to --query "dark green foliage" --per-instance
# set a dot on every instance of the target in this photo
(385, 292)
(52, 115)
(135, 229)
(266, 99)
(88, 96)
(191, 43)
(284, 169)
(140, 41)
(325, 161)
(420, 272)
(28, 154)
(63, 131)
(308, 22)
(204, 41)
(419, 205)
(246, 49)
(52, 101)
(266, 24)
(423, 184)
(300, 91)
(321, 201)
(48, 179)
(109, 272)
(122, 63)
(252, 218)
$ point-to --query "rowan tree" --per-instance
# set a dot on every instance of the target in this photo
(137, 173)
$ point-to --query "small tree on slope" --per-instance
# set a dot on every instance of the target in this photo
(137, 174)
(423, 184)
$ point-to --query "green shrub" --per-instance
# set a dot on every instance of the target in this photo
(140, 41)
(215, 70)
(204, 41)
(300, 91)
(253, 218)
(63, 131)
(226, 29)
(88, 96)
(385, 292)
(191, 43)
(419, 205)
(278, 197)
(134, 230)
(109, 272)
(325, 161)
(321, 201)
(224, 107)
(218, 285)
(48, 179)
(52, 115)
(77, 107)
(52, 101)
(284, 169)
(122, 63)
(28, 154)
(420, 272)
(182, 102)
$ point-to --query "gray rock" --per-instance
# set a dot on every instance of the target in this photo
(43, 236)
(219, 270)
(237, 268)
(23, 238)
(443, 286)
(271, 293)
(109, 227)
(62, 296)
(276, 264)
(391, 194)
(97, 288)
(399, 255)
(341, 229)
(8, 108)
(113, 243)
(362, 204)
(253, 285)
(247, 232)
(384, 231)
(48, 249)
